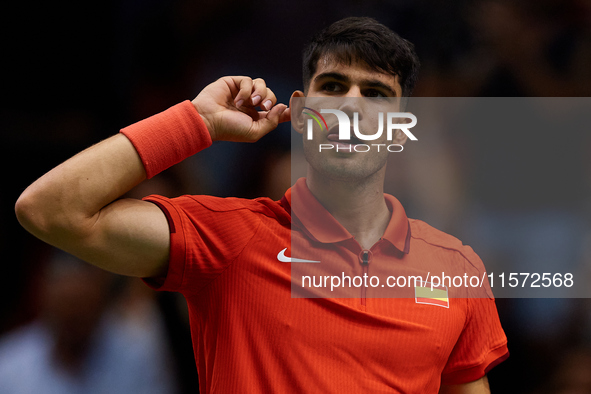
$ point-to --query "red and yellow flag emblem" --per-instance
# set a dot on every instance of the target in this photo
(431, 295)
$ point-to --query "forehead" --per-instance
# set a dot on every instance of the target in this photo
(356, 72)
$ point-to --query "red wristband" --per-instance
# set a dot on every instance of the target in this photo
(169, 137)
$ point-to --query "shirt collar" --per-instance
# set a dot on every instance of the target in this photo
(312, 218)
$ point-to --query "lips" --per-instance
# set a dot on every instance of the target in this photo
(333, 136)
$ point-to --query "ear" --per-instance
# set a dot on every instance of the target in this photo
(296, 103)
(399, 136)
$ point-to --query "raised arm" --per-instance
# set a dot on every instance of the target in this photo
(76, 206)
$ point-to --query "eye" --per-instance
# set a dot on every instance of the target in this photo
(374, 93)
(332, 87)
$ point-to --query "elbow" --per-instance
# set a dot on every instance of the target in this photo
(45, 215)
(29, 212)
(38, 213)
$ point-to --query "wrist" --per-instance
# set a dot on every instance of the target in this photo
(169, 137)
(208, 124)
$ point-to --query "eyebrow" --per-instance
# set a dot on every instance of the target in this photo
(371, 83)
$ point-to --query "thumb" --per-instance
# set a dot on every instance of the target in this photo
(268, 121)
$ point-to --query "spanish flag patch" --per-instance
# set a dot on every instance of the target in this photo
(431, 295)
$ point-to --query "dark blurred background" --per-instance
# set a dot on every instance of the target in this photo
(75, 73)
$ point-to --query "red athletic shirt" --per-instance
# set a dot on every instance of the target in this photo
(251, 335)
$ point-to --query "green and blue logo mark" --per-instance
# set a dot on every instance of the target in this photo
(317, 117)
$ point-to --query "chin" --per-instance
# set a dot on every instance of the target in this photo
(347, 169)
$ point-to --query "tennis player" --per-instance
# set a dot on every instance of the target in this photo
(232, 258)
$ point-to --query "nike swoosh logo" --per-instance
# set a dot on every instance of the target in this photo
(284, 259)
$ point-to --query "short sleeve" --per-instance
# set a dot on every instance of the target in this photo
(481, 345)
(206, 235)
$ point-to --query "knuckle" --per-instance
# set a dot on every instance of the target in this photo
(260, 83)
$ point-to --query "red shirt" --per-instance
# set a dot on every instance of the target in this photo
(252, 334)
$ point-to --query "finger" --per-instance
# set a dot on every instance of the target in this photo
(259, 91)
(245, 84)
(268, 121)
(269, 100)
(285, 116)
(262, 95)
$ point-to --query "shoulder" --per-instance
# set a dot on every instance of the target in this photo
(262, 205)
(458, 259)
(444, 242)
(258, 206)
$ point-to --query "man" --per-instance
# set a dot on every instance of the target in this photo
(228, 257)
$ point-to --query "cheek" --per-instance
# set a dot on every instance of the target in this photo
(370, 125)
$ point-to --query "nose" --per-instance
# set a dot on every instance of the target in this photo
(352, 102)
(354, 91)
(350, 106)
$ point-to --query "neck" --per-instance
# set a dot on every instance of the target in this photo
(357, 205)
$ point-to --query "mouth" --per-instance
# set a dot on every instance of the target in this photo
(333, 138)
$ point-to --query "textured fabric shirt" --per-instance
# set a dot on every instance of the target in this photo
(254, 329)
